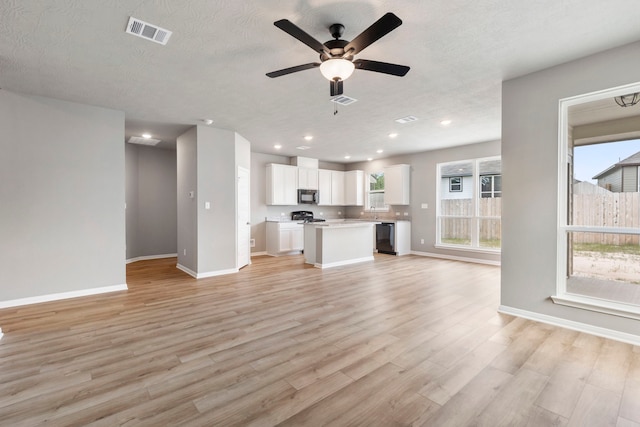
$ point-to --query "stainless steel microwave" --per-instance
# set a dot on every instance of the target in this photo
(307, 197)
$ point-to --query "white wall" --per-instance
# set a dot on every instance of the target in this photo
(62, 217)
(530, 179)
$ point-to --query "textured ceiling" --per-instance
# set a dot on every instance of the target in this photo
(215, 63)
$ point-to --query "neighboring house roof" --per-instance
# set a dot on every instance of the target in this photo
(488, 167)
(633, 160)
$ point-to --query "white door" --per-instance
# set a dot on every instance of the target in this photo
(243, 213)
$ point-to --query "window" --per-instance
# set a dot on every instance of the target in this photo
(455, 184)
(490, 186)
(598, 264)
(470, 204)
(375, 192)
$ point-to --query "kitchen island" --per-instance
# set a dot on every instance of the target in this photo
(331, 244)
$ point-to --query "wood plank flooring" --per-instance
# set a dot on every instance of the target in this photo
(398, 341)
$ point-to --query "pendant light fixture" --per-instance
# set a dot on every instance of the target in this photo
(628, 100)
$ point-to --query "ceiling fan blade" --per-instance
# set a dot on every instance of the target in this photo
(381, 67)
(295, 69)
(296, 32)
(377, 30)
(336, 87)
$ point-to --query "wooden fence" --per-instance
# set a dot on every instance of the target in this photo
(459, 229)
(607, 210)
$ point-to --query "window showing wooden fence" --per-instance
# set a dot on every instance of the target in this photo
(607, 210)
(457, 218)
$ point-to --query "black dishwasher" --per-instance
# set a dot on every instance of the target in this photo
(385, 238)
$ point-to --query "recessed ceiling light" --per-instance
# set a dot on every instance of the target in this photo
(303, 147)
(277, 146)
(445, 122)
(308, 138)
(379, 151)
(143, 141)
(208, 122)
(393, 135)
(369, 159)
(146, 135)
(347, 157)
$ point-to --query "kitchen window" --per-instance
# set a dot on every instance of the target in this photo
(375, 192)
(470, 204)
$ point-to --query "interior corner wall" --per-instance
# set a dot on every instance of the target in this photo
(530, 110)
(151, 191)
(131, 199)
(216, 170)
(187, 199)
(62, 195)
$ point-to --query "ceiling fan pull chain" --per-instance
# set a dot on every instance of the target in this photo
(335, 108)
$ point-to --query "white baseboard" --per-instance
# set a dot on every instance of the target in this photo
(207, 274)
(456, 258)
(62, 295)
(341, 263)
(570, 324)
(144, 258)
(258, 253)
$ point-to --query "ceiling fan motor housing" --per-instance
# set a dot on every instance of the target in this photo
(336, 48)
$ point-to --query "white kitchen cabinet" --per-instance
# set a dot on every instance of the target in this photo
(282, 185)
(324, 187)
(337, 188)
(403, 238)
(307, 179)
(330, 188)
(284, 238)
(396, 184)
(354, 188)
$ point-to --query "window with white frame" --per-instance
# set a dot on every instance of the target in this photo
(375, 192)
(470, 204)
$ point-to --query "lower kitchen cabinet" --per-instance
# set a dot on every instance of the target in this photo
(284, 238)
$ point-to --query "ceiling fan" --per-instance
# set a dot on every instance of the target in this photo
(337, 56)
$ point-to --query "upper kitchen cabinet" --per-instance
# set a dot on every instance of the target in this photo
(307, 178)
(330, 188)
(282, 185)
(354, 188)
(396, 184)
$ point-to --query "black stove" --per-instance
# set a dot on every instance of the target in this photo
(306, 216)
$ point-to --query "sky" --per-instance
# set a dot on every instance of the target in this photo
(590, 160)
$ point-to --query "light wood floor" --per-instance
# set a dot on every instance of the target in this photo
(398, 341)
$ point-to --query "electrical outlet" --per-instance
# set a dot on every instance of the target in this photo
(184, 252)
(252, 243)
(422, 241)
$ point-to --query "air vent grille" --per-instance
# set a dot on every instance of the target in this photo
(407, 119)
(343, 100)
(143, 141)
(148, 31)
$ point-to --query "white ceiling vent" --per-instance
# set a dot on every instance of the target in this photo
(143, 141)
(407, 119)
(148, 31)
(343, 100)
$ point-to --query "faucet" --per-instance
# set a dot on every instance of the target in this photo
(374, 213)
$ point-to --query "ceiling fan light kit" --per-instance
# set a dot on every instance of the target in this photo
(337, 61)
(337, 69)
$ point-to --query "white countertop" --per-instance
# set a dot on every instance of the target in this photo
(342, 224)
